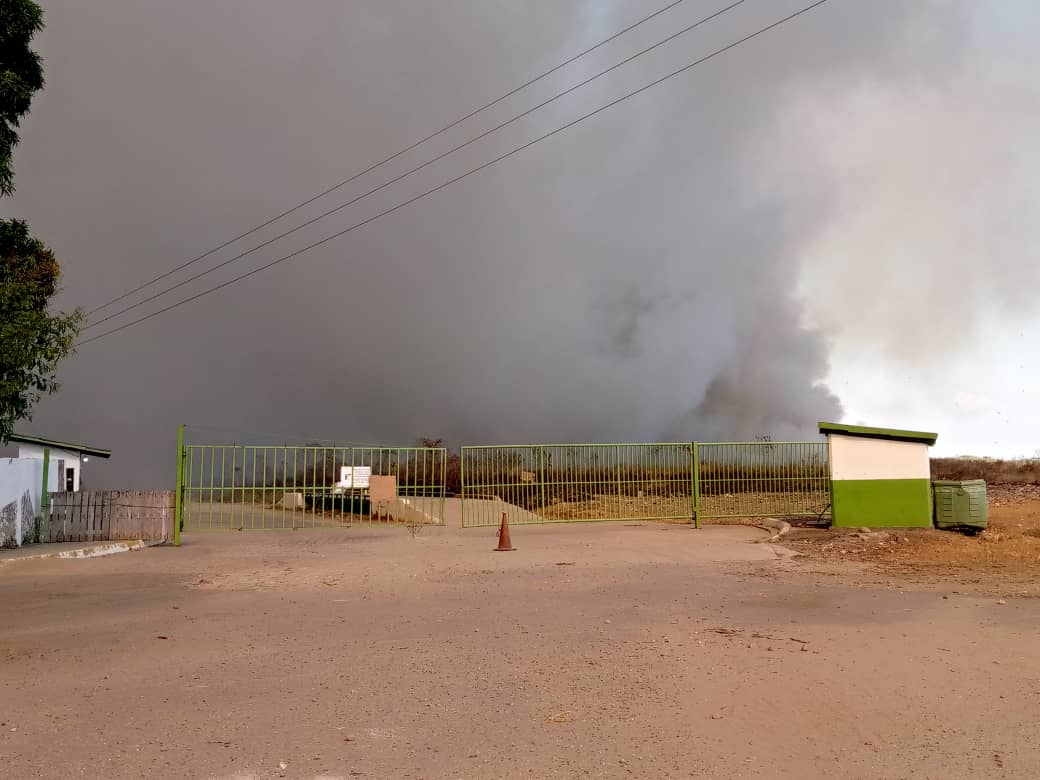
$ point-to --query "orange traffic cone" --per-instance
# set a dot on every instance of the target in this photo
(504, 545)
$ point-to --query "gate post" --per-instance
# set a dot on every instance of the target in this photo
(444, 482)
(617, 464)
(462, 486)
(696, 485)
(178, 513)
(42, 531)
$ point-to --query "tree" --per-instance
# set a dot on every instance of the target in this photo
(21, 75)
(32, 338)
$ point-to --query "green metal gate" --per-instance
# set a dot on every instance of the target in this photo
(268, 487)
(247, 487)
(558, 483)
(763, 479)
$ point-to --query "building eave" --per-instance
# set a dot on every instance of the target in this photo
(82, 449)
(889, 434)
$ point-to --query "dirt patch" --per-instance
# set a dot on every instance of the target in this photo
(1012, 494)
(659, 651)
(812, 503)
(627, 507)
(1004, 559)
(679, 507)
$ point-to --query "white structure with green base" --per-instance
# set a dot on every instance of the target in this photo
(880, 477)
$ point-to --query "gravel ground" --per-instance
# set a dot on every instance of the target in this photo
(1004, 560)
(615, 650)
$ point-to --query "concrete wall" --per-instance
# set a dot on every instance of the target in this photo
(879, 483)
(858, 458)
(21, 487)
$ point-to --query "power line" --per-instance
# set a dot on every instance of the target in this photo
(416, 169)
(448, 183)
(391, 158)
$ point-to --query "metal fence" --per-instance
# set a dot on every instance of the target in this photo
(246, 487)
(659, 481)
(256, 487)
(549, 483)
(763, 479)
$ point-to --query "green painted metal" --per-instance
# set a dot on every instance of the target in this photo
(178, 512)
(960, 504)
(42, 530)
(830, 487)
(695, 458)
(554, 483)
(541, 472)
(882, 503)
(762, 479)
(269, 487)
(892, 434)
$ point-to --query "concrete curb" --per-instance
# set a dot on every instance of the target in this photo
(102, 549)
(94, 550)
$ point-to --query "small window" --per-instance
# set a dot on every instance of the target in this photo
(70, 480)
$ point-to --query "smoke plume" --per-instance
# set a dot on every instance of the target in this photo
(637, 277)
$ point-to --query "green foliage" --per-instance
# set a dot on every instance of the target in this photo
(21, 75)
(32, 340)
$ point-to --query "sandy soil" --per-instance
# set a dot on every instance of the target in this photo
(1003, 560)
(616, 650)
(678, 507)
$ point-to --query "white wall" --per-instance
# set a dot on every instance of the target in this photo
(70, 458)
(853, 457)
(21, 487)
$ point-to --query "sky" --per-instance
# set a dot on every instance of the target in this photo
(941, 183)
(834, 220)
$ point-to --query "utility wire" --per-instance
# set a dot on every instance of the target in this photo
(448, 183)
(416, 169)
(383, 162)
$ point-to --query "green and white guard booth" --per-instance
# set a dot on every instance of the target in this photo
(880, 477)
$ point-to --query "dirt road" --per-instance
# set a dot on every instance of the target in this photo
(592, 651)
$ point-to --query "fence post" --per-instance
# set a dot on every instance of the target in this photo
(541, 480)
(462, 486)
(617, 464)
(41, 525)
(178, 512)
(693, 486)
(696, 486)
(830, 479)
(444, 481)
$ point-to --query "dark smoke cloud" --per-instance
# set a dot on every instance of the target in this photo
(634, 278)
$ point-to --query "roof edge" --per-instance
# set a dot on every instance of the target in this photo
(84, 449)
(889, 434)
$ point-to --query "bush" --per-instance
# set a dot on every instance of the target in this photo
(1008, 472)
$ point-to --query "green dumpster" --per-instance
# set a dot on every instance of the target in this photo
(960, 504)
